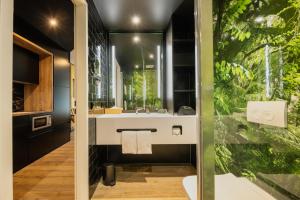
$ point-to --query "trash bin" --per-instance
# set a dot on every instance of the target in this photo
(109, 174)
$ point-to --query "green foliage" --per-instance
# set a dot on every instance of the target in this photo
(242, 30)
(136, 80)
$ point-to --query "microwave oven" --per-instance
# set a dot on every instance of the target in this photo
(41, 122)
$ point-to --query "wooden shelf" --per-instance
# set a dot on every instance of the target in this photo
(16, 114)
(26, 44)
(182, 91)
(39, 97)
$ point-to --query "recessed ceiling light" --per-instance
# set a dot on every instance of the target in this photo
(53, 22)
(136, 20)
(136, 39)
(151, 56)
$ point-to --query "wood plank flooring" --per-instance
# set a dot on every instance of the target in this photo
(146, 182)
(49, 178)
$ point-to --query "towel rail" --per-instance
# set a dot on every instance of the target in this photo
(137, 129)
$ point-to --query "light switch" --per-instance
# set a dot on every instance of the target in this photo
(272, 113)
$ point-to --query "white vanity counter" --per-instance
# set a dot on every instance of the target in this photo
(107, 125)
(141, 115)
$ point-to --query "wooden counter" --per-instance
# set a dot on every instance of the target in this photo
(16, 114)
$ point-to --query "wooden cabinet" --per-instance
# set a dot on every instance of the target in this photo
(33, 66)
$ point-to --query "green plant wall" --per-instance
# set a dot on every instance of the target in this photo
(256, 57)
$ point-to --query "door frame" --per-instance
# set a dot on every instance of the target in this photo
(6, 52)
(81, 95)
(204, 99)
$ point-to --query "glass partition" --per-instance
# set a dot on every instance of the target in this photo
(136, 70)
(256, 94)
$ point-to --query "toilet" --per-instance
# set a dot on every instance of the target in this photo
(190, 186)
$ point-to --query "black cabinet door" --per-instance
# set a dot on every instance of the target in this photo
(48, 140)
(21, 130)
(25, 66)
(40, 145)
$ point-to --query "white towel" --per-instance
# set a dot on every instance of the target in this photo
(129, 142)
(144, 142)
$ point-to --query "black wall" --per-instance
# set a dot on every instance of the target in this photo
(161, 154)
(25, 65)
(98, 37)
(98, 40)
(59, 133)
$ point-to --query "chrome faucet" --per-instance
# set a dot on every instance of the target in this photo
(137, 110)
(146, 110)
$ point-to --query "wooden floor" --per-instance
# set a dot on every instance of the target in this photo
(146, 182)
(49, 178)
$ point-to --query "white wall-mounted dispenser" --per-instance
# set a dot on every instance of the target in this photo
(272, 113)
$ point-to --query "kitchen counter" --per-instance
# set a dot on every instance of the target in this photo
(16, 114)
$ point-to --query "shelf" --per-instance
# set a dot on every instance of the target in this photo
(182, 91)
(180, 59)
(16, 114)
(26, 44)
(182, 66)
(184, 40)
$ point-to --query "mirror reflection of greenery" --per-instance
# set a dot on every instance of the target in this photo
(242, 30)
(136, 81)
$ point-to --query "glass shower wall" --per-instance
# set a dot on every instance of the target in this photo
(257, 91)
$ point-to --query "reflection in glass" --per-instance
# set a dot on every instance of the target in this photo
(257, 59)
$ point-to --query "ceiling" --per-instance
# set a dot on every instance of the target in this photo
(155, 14)
(37, 13)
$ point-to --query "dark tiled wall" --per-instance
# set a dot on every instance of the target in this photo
(98, 62)
(94, 169)
(98, 72)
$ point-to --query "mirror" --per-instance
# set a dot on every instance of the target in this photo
(136, 69)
